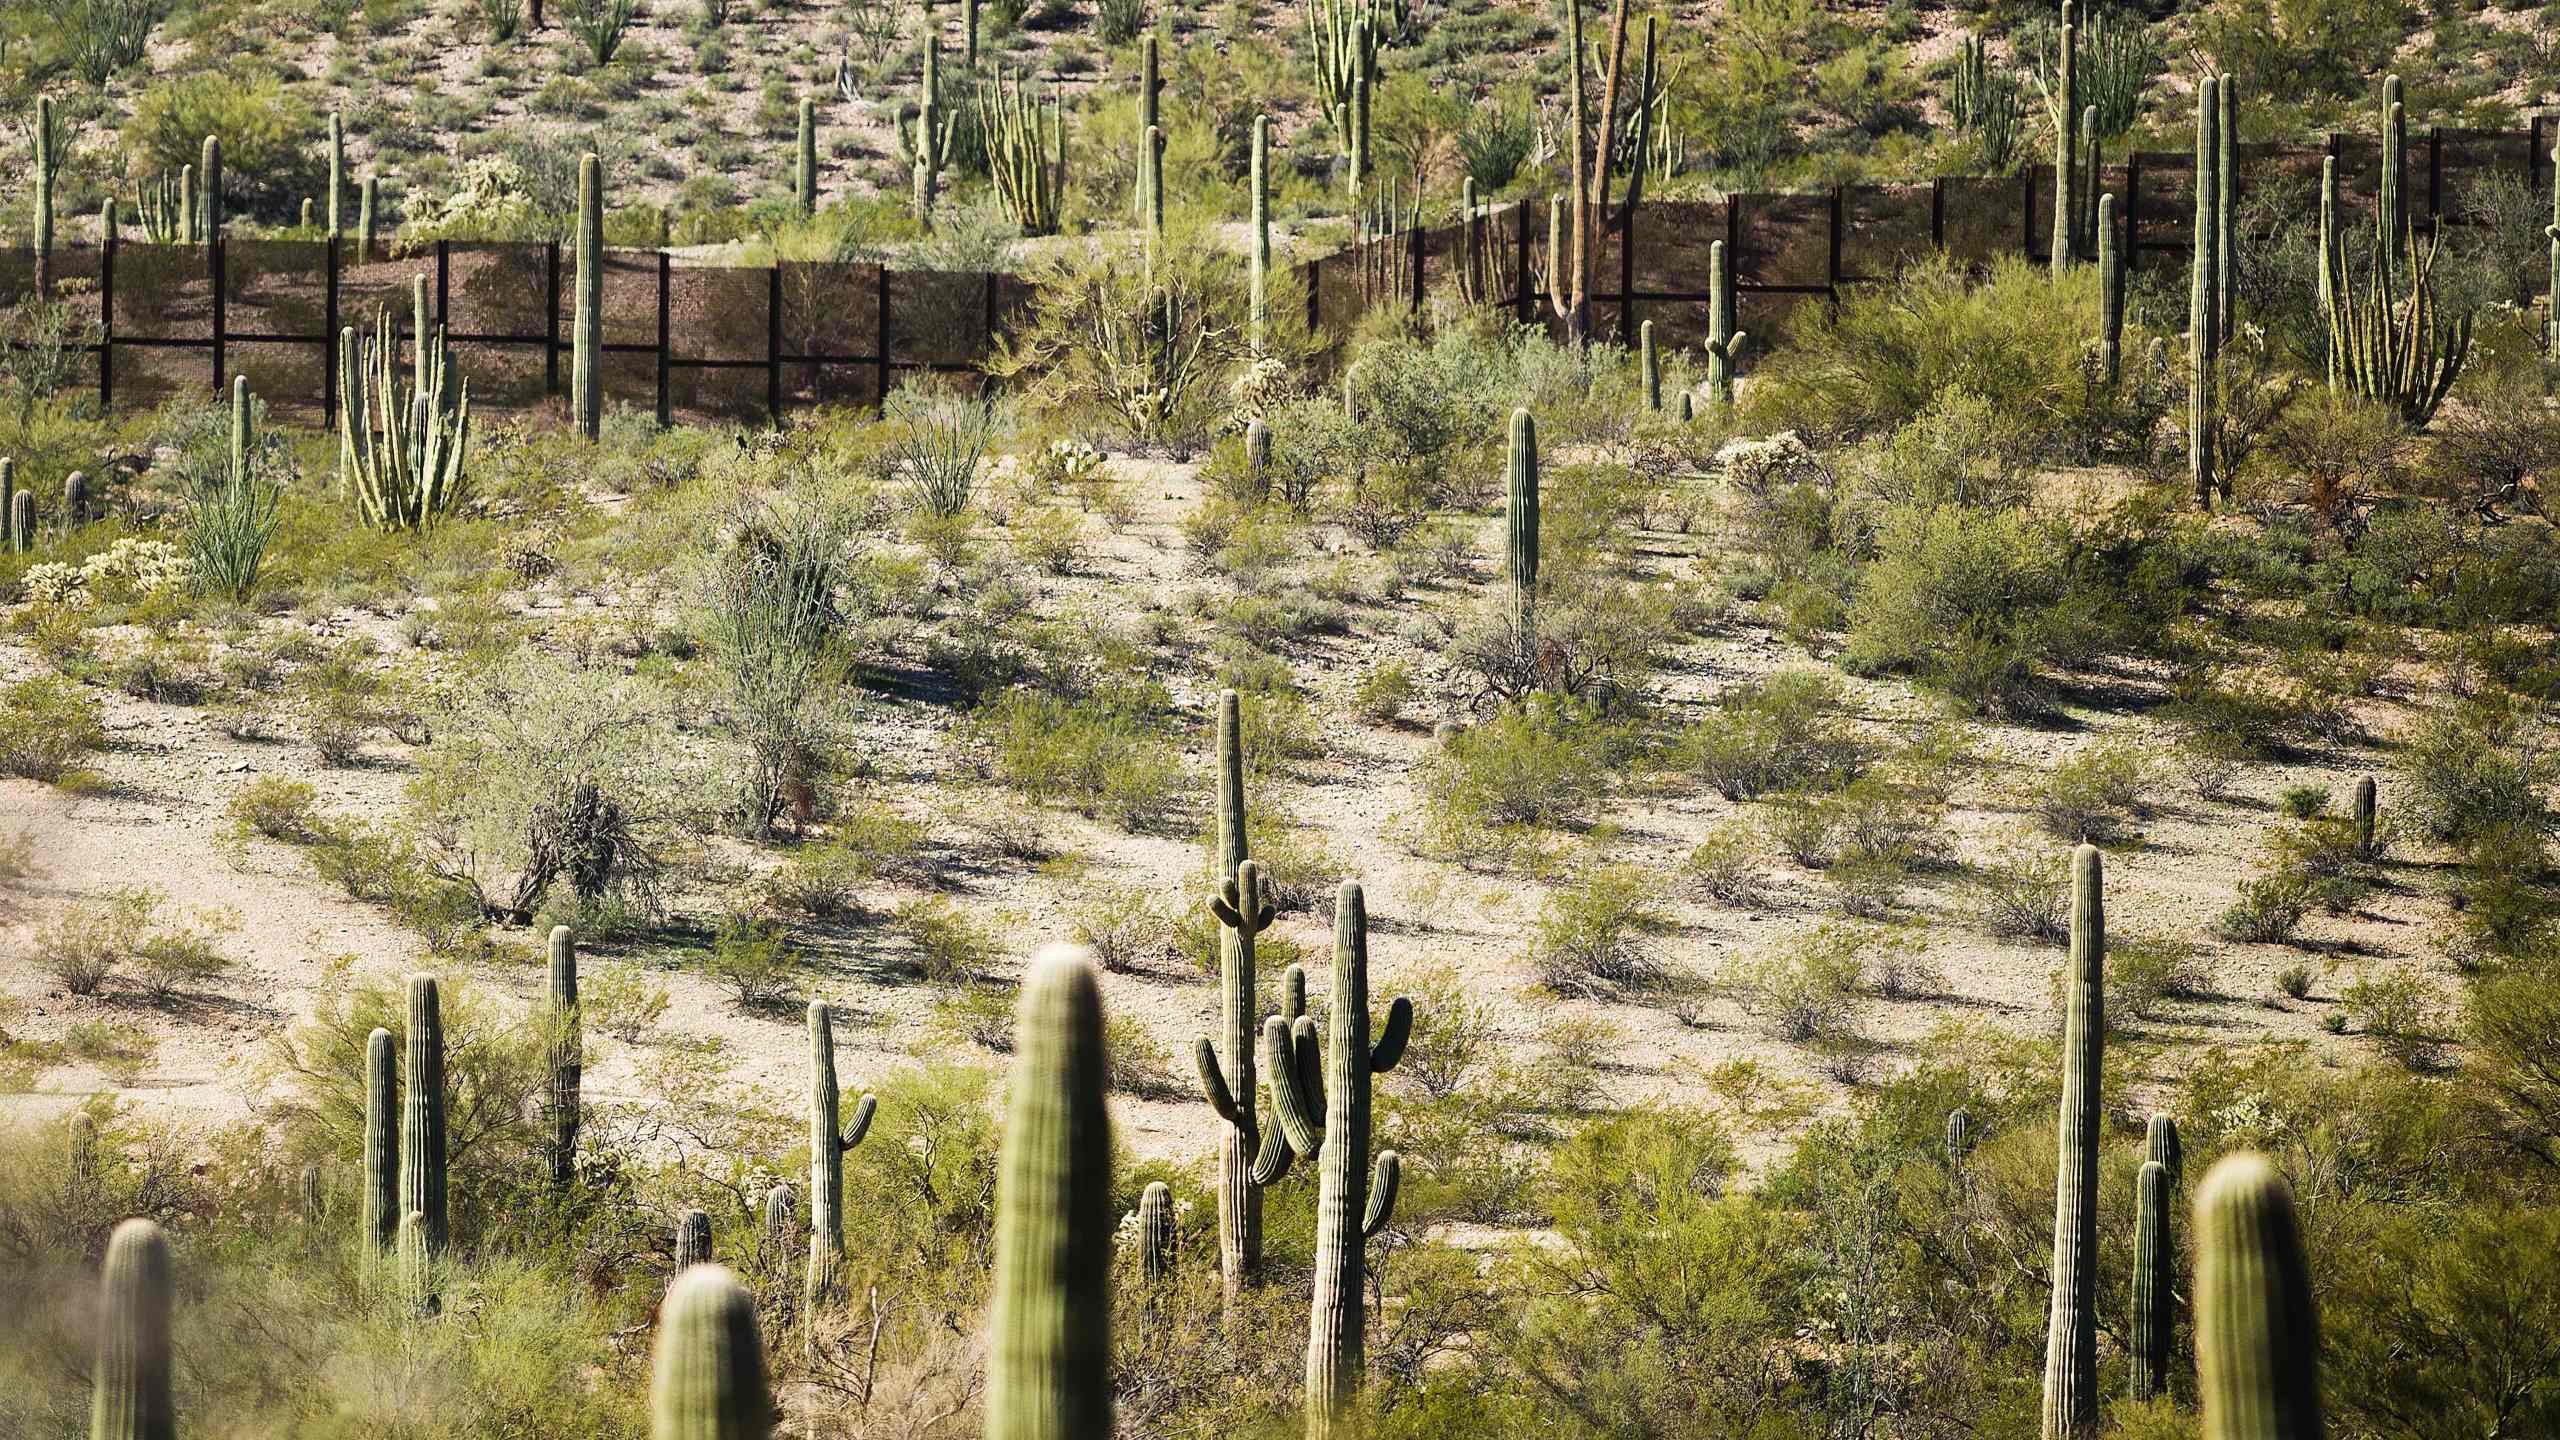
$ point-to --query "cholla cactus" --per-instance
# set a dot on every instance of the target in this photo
(402, 455)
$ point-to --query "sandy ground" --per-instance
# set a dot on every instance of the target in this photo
(158, 822)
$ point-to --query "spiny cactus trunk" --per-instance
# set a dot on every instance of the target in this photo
(212, 181)
(2160, 1142)
(828, 1141)
(44, 158)
(1258, 303)
(708, 1377)
(130, 1397)
(422, 1126)
(807, 177)
(1652, 362)
(2257, 1335)
(2154, 1282)
(2071, 1326)
(1240, 920)
(2110, 294)
(2226, 222)
(693, 1240)
(192, 214)
(1520, 516)
(586, 335)
(368, 215)
(337, 174)
(2204, 289)
(2366, 810)
(381, 1179)
(1049, 1332)
(1724, 341)
(1155, 1230)
(2066, 139)
(568, 1054)
(414, 1263)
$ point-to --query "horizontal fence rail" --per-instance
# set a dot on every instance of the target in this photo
(716, 343)
(1787, 248)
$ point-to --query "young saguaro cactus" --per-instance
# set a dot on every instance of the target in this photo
(368, 216)
(422, 1123)
(2204, 325)
(337, 173)
(586, 331)
(828, 1142)
(211, 178)
(2154, 1278)
(1724, 342)
(568, 1053)
(1249, 1157)
(2110, 294)
(1520, 526)
(1652, 362)
(805, 178)
(693, 1240)
(928, 139)
(2257, 1333)
(2366, 811)
(1155, 1230)
(380, 1208)
(2071, 1324)
(2066, 136)
(2160, 1142)
(129, 1392)
(1959, 1139)
(707, 1379)
(22, 522)
(1352, 1203)
(1049, 1325)
(1258, 301)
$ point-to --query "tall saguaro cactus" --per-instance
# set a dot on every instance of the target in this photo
(211, 178)
(422, 1123)
(828, 1142)
(2257, 1334)
(2160, 1142)
(2551, 305)
(693, 1239)
(2066, 137)
(1651, 361)
(1258, 303)
(806, 177)
(1049, 1325)
(2110, 294)
(1352, 1203)
(1249, 1157)
(1520, 526)
(586, 329)
(2204, 322)
(337, 172)
(47, 144)
(129, 1391)
(929, 138)
(708, 1379)
(2154, 1279)
(380, 1202)
(568, 1053)
(2390, 213)
(2226, 211)
(2071, 1325)
(1724, 342)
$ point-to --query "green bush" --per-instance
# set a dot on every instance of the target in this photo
(2097, 795)
(2478, 769)
(275, 807)
(2144, 969)
(47, 724)
(1782, 733)
(266, 134)
(952, 946)
(1969, 602)
(2024, 894)
(752, 959)
(2399, 1010)
(1095, 757)
(1595, 937)
(2268, 908)
(1543, 763)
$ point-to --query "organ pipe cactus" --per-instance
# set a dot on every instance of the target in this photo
(159, 207)
(568, 1053)
(693, 1240)
(2110, 294)
(1345, 51)
(402, 453)
(380, 1201)
(129, 1391)
(1724, 342)
(2154, 1311)
(2257, 1334)
(422, 1123)
(2390, 339)
(2071, 1327)
(828, 1142)
(1352, 1202)
(805, 178)
(1155, 1230)
(1049, 1323)
(1249, 1157)
(1520, 525)
(707, 1380)
(1026, 162)
(2204, 324)
(586, 332)
(1258, 302)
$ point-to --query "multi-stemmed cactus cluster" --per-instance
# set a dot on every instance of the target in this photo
(1026, 155)
(402, 451)
(2391, 339)
(925, 140)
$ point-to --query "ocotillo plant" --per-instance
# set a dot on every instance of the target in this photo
(2110, 294)
(1724, 341)
(402, 453)
(2154, 1309)
(927, 140)
(1155, 1230)
(806, 180)
(422, 1123)
(129, 1391)
(1520, 527)
(828, 1142)
(1248, 1157)
(48, 143)
(2204, 298)
(1027, 164)
(1352, 1204)
(1048, 1327)
(707, 1380)
(2071, 1325)
(2257, 1334)
(2065, 101)
(2365, 810)
(2160, 1142)
(568, 1053)
(337, 172)
(693, 1240)
(1258, 275)
(1652, 362)
(586, 329)
(380, 1208)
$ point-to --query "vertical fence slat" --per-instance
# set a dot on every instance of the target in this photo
(216, 264)
(666, 413)
(882, 370)
(329, 335)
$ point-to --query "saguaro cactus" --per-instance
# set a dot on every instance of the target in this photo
(2390, 216)
(2071, 1325)
(212, 183)
(1520, 526)
(1724, 342)
(693, 1240)
(2204, 323)
(2110, 293)
(2366, 810)
(568, 1053)
(129, 1393)
(368, 215)
(1155, 1229)
(1258, 303)
(1959, 1135)
(47, 144)
(1352, 1204)
(2226, 210)
(380, 1207)
(422, 1128)
(1151, 182)
(2257, 1334)
(1049, 1326)
(22, 522)
(1248, 1157)
(2154, 1311)
(2551, 305)
(1652, 362)
(828, 1141)
(1150, 117)
(337, 172)
(928, 140)
(707, 1380)
(414, 1263)
(806, 177)
(586, 330)
(2160, 1142)
(1257, 453)
(2066, 136)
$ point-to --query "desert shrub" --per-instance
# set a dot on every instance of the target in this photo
(2268, 908)
(175, 957)
(2144, 969)
(2097, 795)
(941, 440)
(771, 624)
(751, 958)
(1867, 886)
(1728, 865)
(1542, 763)
(266, 134)
(1120, 925)
(47, 723)
(980, 1015)
(2294, 981)
(1137, 1063)
(2024, 894)
(622, 1001)
(124, 931)
(1383, 691)
(823, 881)
(2399, 1010)
(1808, 989)
(1782, 733)
(2304, 801)
(2325, 852)
(1968, 602)
(275, 807)
(2477, 769)
(951, 945)
(1595, 937)
(1095, 756)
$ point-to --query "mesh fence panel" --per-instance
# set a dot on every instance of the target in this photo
(719, 314)
(508, 379)
(1982, 217)
(276, 288)
(164, 292)
(937, 317)
(498, 290)
(287, 375)
(369, 286)
(1883, 228)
